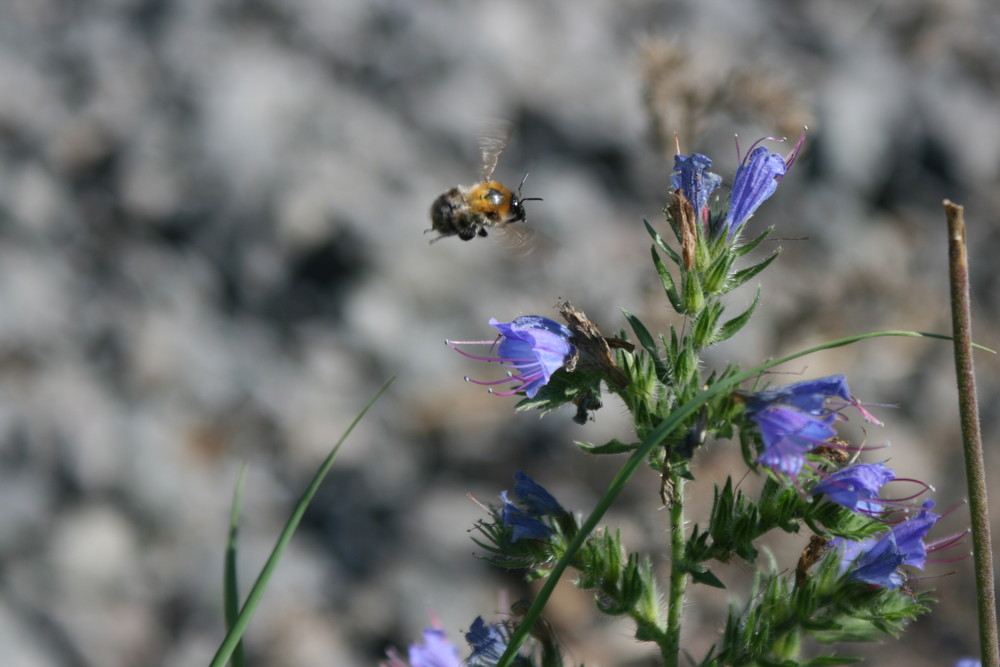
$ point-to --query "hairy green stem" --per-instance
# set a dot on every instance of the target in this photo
(678, 577)
(972, 442)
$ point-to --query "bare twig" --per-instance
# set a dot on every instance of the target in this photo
(971, 436)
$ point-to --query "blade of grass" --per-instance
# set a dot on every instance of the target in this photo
(231, 588)
(256, 593)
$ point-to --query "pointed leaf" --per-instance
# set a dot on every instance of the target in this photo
(708, 578)
(732, 326)
(706, 325)
(671, 253)
(668, 282)
(613, 446)
(642, 333)
(740, 277)
(744, 248)
(647, 342)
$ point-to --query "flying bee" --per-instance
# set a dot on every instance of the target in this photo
(467, 211)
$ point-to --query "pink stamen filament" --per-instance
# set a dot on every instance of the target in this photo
(487, 383)
(514, 363)
(947, 543)
(741, 158)
(926, 487)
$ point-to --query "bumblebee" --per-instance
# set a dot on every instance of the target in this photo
(467, 211)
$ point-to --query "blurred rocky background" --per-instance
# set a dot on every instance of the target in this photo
(212, 253)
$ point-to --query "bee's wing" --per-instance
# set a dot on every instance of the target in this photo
(493, 138)
(522, 240)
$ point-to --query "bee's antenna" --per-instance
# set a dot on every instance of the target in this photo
(522, 182)
(521, 186)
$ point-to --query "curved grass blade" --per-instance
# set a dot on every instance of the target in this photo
(256, 593)
(231, 589)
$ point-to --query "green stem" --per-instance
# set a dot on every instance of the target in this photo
(678, 578)
(971, 437)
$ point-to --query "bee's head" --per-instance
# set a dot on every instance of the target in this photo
(516, 205)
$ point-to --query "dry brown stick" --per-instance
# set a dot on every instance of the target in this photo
(972, 442)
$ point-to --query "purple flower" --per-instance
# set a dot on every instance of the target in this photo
(788, 434)
(756, 179)
(534, 498)
(526, 526)
(533, 347)
(435, 651)
(531, 503)
(808, 396)
(691, 178)
(855, 487)
(796, 418)
(968, 662)
(877, 560)
(488, 643)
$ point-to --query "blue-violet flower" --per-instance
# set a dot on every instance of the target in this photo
(488, 643)
(435, 651)
(691, 178)
(795, 419)
(533, 497)
(526, 526)
(877, 560)
(857, 486)
(530, 503)
(533, 347)
(756, 179)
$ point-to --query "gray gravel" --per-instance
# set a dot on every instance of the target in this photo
(211, 254)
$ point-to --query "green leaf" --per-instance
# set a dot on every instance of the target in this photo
(706, 325)
(708, 578)
(671, 253)
(649, 344)
(685, 365)
(641, 333)
(668, 282)
(734, 325)
(744, 248)
(613, 446)
(562, 388)
(742, 276)
(717, 273)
